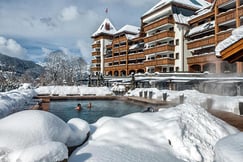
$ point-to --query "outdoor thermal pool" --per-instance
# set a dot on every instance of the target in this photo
(65, 109)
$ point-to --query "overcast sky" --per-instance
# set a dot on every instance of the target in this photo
(29, 29)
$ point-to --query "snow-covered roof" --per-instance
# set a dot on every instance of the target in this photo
(237, 34)
(129, 29)
(134, 46)
(201, 12)
(203, 27)
(181, 19)
(197, 4)
(105, 28)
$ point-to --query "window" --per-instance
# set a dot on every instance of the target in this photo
(177, 69)
(177, 55)
(171, 69)
(164, 70)
(177, 42)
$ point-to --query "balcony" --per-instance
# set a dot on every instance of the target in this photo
(109, 46)
(95, 69)
(96, 45)
(226, 17)
(96, 61)
(96, 53)
(223, 35)
(159, 36)
(201, 59)
(110, 59)
(159, 62)
(116, 68)
(136, 56)
(159, 49)
(120, 39)
(204, 42)
(135, 66)
(158, 23)
(240, 11)
(225, 3)
(120, 49)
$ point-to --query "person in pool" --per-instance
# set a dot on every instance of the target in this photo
(89, 106)
(79, 107)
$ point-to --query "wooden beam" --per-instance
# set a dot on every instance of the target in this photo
(233, 52)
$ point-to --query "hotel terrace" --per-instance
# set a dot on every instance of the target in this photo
(174, 36)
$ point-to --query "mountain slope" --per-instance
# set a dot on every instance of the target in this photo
(19, 66)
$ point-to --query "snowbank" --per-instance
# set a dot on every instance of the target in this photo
(80, 90)
(224, 103)
(185, 132)
(15, 100)
(229, 148)
(34, 135)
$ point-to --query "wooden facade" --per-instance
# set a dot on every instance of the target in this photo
(228, 16)
(225, 15)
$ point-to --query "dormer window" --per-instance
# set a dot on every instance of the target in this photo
(107, 26)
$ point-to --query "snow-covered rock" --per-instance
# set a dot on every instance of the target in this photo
(230, 148)
(41, 134)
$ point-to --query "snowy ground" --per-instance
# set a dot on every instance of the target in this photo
(182, 133)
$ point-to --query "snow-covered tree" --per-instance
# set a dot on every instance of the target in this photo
(61, 68)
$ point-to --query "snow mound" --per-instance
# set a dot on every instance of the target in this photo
(230, 148)
(41, 133)
(15, 100)
(183, 133)
(81, 90)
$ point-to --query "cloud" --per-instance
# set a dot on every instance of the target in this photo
(84, 50)
(46, 51)
(69, 13)
(11, 48)
(132, 3)
(48, 21)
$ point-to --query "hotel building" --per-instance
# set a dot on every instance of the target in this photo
(175, 36)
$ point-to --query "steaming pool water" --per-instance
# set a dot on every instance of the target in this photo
(65, 109)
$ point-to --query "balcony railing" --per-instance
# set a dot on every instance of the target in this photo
(95, 53)
(109, 46)
(96, 45)
(116, 67)
(201, 42)
(240, 11)
(110, 59)
(158, 23)
(223, 35)
(201, 59)
(96, 61)
(220, 2)
(226, 16)
(120, 49)
(136, 56)
(158, 36)
(160, 48)
(135, 66)
(95, 68)
(160, 61)
(120, 39)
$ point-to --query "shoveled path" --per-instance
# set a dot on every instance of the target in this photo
(232, 119)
